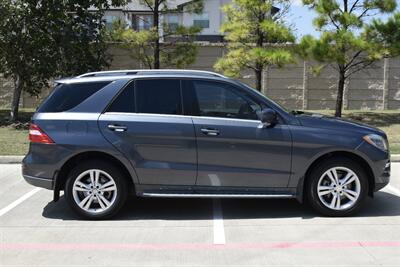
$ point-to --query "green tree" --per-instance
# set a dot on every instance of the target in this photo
(165, 53)
(344, 42)
(179, 51)
(257, 38)
(40, 40)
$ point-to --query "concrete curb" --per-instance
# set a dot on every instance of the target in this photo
(18, 159)
(11, 159)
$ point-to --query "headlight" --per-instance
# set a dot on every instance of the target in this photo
(376, 140)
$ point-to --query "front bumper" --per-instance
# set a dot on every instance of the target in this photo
(384, 178)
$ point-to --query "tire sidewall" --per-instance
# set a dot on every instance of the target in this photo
(319, 170)
(120, 182)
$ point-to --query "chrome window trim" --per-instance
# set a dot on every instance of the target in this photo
(178, 116)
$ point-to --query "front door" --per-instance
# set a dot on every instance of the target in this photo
(233, 151)
(146, 124)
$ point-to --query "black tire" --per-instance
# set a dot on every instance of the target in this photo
(114, 172)
(319, 170)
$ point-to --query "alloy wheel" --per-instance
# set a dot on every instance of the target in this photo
(94, 191)
(339, 188)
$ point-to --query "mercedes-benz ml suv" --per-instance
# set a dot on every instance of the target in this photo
(102, 136)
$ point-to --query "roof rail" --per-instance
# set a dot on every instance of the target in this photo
(148, 71)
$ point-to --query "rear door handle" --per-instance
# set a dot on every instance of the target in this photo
(117, 128)
(209, 131)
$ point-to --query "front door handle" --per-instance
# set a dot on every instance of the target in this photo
(117, 128)
(209, 131)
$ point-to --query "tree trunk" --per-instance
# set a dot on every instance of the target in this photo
(339, 99)
(258, 80)
(156, 18)
(15, 98)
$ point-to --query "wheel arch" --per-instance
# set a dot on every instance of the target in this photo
(301, 188)
(63, 172)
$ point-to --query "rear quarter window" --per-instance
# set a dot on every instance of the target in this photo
(67, 96)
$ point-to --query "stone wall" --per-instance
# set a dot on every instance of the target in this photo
(377, 87)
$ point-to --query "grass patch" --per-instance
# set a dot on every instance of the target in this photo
(14, 136)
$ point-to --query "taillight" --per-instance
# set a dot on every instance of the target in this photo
(36, 135)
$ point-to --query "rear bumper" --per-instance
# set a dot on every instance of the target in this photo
(39, 181)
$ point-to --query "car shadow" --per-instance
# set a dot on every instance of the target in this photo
(383, 204)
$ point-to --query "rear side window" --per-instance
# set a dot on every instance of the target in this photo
(161, 96)
(125, 101)
(68, 96)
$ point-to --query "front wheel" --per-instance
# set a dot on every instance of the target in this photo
(96, 189)
(337, 187)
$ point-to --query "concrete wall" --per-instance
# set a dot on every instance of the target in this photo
(294, 86)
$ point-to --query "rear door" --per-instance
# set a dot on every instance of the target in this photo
(233, 151)
(145, 123)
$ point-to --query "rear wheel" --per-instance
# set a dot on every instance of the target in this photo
(96, 189)
(337, 187)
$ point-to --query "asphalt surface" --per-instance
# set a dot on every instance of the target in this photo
(34, 231)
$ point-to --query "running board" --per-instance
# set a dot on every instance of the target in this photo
(174, 195)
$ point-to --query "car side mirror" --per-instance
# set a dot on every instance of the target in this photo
(268, 118)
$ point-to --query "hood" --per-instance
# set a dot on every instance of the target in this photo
(316, 120)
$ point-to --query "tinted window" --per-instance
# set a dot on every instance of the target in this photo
(68, 96)
(125, 101)
(161, 96)
(218, 100)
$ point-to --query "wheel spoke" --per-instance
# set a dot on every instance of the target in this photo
(82, 185)
(332, 174)
(100, 200)
(89, 202)
(349, 180)
(84, 201)
(351, 192)
(333, 201)
(92, 179)
(107, 189)
(324, 190)
(352, 198)
(106, 202)
(338, 200)
(80, 189)
(96, 178)
(110, 183)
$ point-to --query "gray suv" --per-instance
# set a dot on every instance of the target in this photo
(104, 135)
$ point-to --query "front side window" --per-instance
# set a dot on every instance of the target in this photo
(158, 96)
(213, 99)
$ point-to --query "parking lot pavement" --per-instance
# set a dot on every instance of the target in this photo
(195, 232)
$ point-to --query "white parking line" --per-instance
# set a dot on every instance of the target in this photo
(393, 189)
(18, 201)
(219, 232)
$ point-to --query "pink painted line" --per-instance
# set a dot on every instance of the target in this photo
(237, 246)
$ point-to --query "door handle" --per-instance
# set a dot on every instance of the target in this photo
(117, 128)
(209, 131)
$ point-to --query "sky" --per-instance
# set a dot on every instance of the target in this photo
(302, 18)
